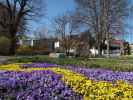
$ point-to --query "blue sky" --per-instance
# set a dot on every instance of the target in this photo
(54, 8)
(57, 7)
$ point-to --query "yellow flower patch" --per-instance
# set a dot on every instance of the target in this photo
(10, 67)
(92, 90)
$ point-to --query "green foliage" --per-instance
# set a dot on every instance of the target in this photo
(4, 45)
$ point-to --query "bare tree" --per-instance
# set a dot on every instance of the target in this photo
(18, 12)
(84, 43)
(41, 33)
(103, 17)
(65, 27)
(113, 14)
(88, 12)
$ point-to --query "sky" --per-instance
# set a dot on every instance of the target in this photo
(57, 7)
(53, 8)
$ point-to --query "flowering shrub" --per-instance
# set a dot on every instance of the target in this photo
(51, 82)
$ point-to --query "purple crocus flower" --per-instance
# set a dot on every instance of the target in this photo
(36, 85)
(38, 65)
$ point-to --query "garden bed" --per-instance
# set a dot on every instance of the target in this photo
(44, 81)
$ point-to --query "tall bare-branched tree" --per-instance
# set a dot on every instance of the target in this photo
(113, 17)
(103, 17)
(17, 14)
(65, 27)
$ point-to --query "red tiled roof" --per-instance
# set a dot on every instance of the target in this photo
(116, 42)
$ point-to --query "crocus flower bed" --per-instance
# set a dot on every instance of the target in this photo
(103, 74)
(37, 85)
(38, 65)
(93, 74)
(42, 81)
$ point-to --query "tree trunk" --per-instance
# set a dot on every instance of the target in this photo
(13, 46)
(67, 53)
(99, 50)
(108, 49)
(122, 49)
(13, 42)
(108, 45)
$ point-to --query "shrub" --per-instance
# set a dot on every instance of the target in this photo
(29, 50)
(4, 45)
(25, 50)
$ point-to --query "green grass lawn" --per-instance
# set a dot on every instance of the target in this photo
(124, 63)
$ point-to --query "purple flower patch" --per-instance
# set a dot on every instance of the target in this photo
(37, 85)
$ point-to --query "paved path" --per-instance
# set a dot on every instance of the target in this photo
(3, 59)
